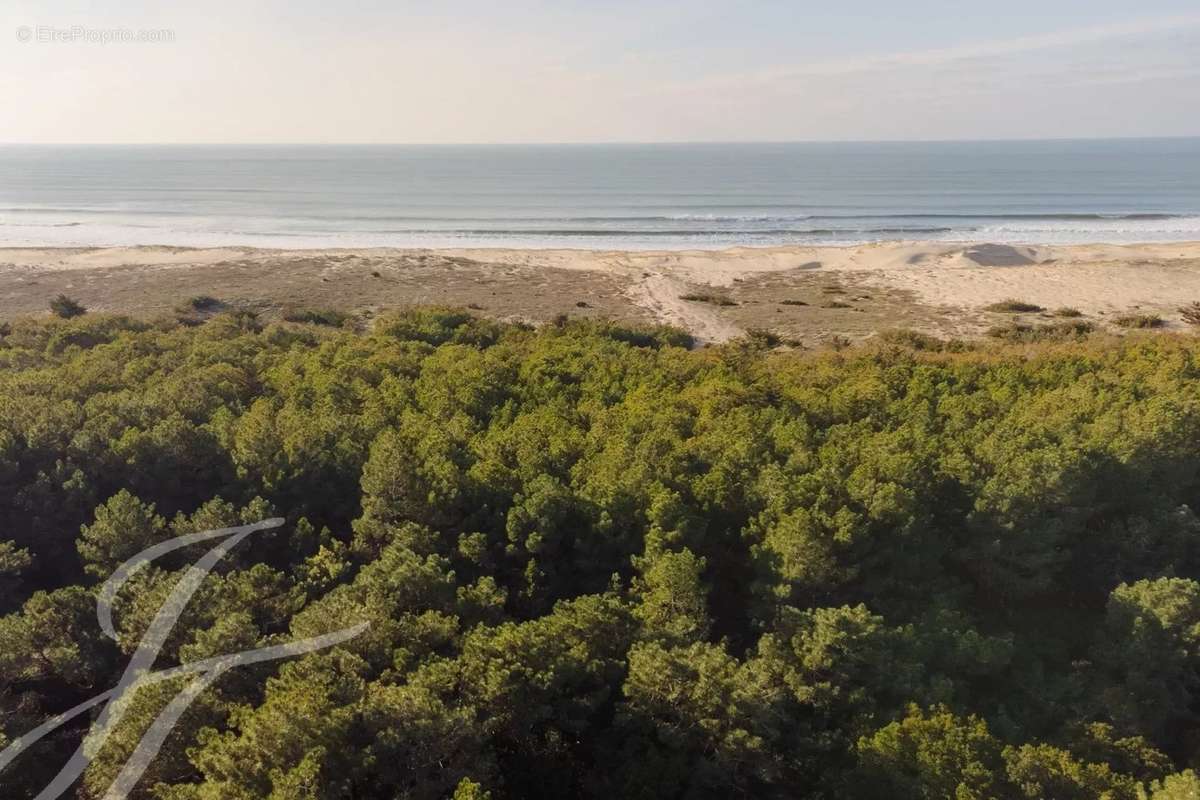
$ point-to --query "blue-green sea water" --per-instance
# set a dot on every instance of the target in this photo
(601, 196)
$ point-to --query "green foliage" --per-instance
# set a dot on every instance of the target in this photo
(759, 337)
(1151, 649)
(197, 310)
(598, 564)
(930, 756)
(66, 307)
(673, 598)
(468, 789)
(709, 297)
(1012, 306)
(1055, 331)
(913, 340)
(13, 562)
(1139, 321)
(318, 316)
(1040, 771)
(940, 755)
(202, 302)
(1184, 786)
(124, 526)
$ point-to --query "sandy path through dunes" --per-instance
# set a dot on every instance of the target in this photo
(660, 294)
(960, 279)
(804, 293)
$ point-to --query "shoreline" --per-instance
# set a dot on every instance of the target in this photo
(887, 243)
(805, 293)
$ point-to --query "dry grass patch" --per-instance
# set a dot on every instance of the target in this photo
(1139, 321)
(1011, 306)
(706, 297)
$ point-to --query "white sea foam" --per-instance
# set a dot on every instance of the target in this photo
(294, 235)
(660, 196)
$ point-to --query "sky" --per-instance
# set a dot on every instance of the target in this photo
(464, 71)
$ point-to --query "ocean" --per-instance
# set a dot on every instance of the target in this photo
(667, 196)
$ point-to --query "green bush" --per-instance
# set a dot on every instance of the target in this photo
(708, 297)
(1014, 307)
(66, 308)
(913, 340)
(1139, 321)
(203, 302)
(1057, 331)
(317, 316)
(1191, 314)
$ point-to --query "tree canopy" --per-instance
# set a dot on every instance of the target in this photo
(598, 564)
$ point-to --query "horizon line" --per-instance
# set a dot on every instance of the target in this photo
(610, 142)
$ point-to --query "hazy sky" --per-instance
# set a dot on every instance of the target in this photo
(607, 70)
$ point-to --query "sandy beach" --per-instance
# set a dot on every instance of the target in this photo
(809, 294)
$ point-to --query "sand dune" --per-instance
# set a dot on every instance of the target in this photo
(940, 287)
(1096, 278)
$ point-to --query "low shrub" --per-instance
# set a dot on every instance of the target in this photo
(1058, 331)
(1191, 314)
(705, 297)
(1139, 321)
(911, 340)
(317, 316)
(66, 307)
(203, 302)
(1011, 306)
